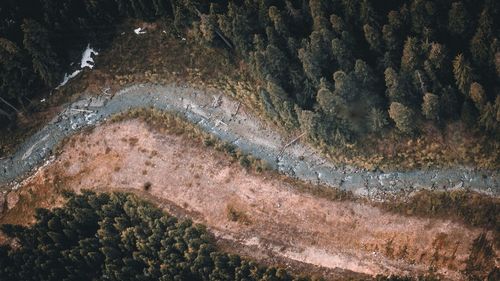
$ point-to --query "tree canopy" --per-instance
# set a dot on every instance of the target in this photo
(119, 237)
(409, 49)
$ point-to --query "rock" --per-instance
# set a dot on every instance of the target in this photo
(12, 199)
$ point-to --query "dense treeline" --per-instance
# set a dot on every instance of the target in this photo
(342, 68)
(336, 69)
(118, 237)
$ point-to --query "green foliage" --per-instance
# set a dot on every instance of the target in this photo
(36, 42)
(463, 73)
(409, 60)
(458, 19)
(119, 237)
(430, 106)
(477, 94)
(402, 116)
(15, 76)
(378, 120)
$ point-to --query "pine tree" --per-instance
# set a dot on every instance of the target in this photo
(437, 55)
(480, 42)
(36, 42)
(377, 119)
(463, 73)
(403, 117)
(393, 85)
(342, 54)
(325, 97)
(310, 65)
(430, 106)
(338, 24)
(16, 76)
(208, 26)
(368, 14)
(277, 63)
(410, 58)
(459, 20)
(477, 95)
(373, 37)
(364, 75)
(279, 23)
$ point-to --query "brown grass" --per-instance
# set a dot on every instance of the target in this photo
(171, 123)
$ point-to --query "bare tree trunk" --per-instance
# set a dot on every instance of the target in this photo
(217, 30)
(10, 105)
(5, 113)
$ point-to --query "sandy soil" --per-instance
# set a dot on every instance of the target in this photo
(269, 216)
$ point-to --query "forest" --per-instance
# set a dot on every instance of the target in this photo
(119, 237)
(338, 69)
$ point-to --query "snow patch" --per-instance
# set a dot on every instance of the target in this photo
(139, 30)
(86, 61)
(68, 77)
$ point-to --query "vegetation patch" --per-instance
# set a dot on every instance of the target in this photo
(147, 185)
(117, 237)
(236, 215)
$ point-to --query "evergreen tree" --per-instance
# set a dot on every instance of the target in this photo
(402, 116)
(326, 98)
(373, 37)
(410, 58)
(463, 73)
(378, 120)
(279, 23)
(480, 42)
(342, 54)
(477, 95)
(16, 76)
(36, 41)
(459, 20)
(430, 106)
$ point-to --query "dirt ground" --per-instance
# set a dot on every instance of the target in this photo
(253, 214)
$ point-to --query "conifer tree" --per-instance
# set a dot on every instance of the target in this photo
(430, 106)
(477, 95)
(36, 41)
(373, 37)
(402, 116)
(463, 73)
(480, 42)
(459, 20)
(410, 58)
